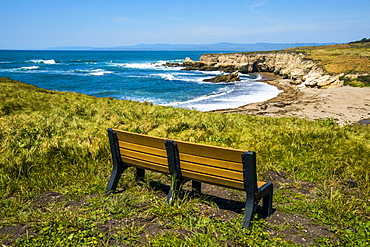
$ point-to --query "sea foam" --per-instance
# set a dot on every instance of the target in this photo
(29, 67)
(243, 93)
(99, 72)
(159, 65)
(192, 102)
(49, 61)
(139, 65)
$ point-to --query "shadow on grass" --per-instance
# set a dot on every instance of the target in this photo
(230, 201)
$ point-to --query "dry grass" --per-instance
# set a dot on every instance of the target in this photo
(343, 58)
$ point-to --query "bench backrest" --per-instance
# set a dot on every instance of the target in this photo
(210, 164)
(143, 151)
(199, 162)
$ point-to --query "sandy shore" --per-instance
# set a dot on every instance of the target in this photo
(346, 105)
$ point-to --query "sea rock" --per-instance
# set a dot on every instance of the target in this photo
(187, 62)
(172, 64)
(232, 77)
(290, 65)
(193, 65)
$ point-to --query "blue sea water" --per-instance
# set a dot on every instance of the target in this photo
(136, 75)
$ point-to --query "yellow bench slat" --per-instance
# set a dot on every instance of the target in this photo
(213, 180)
(145, 140)
(146, 164)
(228, 154)
(142, 148)
(212, 171)
(260, 184)
(222, 164)
(143, 156)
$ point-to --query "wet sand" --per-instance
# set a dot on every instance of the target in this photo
(346, 105)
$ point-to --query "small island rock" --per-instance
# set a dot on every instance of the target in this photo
(232, 77)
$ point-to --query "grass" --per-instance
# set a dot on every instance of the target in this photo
(344, 58)
(56, 141)
(360, 81)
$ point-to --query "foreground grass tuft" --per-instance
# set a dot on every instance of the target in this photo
(56, 142)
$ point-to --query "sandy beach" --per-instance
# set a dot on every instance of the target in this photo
(345, 105)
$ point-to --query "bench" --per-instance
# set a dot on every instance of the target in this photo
(183, 161)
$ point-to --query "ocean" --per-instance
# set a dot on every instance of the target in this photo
(133, 75)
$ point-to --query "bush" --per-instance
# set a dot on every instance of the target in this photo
(365, 79)
(360, 81)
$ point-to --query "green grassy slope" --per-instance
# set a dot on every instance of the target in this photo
(56, 141)
(345, 58)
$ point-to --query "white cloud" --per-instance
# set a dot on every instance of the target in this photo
(253, 5)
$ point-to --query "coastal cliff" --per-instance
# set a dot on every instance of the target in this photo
(290, 65)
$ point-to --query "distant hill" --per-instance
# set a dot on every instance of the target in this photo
(223, 46)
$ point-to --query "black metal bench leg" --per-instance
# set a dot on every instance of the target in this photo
(140, 174)
(114, 178)
(174, 169)
(118, 166)
(250, 186)
(250, 210)
(196, 187)
(267, 206)
(266, 193)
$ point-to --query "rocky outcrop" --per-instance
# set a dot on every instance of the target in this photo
(232, 77)
(290, 65)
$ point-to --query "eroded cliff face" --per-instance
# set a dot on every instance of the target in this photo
(292, 66)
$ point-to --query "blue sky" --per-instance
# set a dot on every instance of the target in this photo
(40, 24)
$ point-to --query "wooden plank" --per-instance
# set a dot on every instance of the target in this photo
(229, 183)
(146, 164)
(260, 184)
(235, 166)
(143, 149)
(145, 140)
(212, 171)
(228, 154)
(144, 157)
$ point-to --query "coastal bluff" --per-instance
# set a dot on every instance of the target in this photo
(291, 65)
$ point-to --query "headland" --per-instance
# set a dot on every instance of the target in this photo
(313, 85)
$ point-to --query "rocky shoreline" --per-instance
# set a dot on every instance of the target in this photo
(344, 105)
(307, 91)
(290, 65)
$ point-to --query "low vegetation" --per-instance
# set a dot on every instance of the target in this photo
(359, 81)
(351, 58)
(55, 164)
